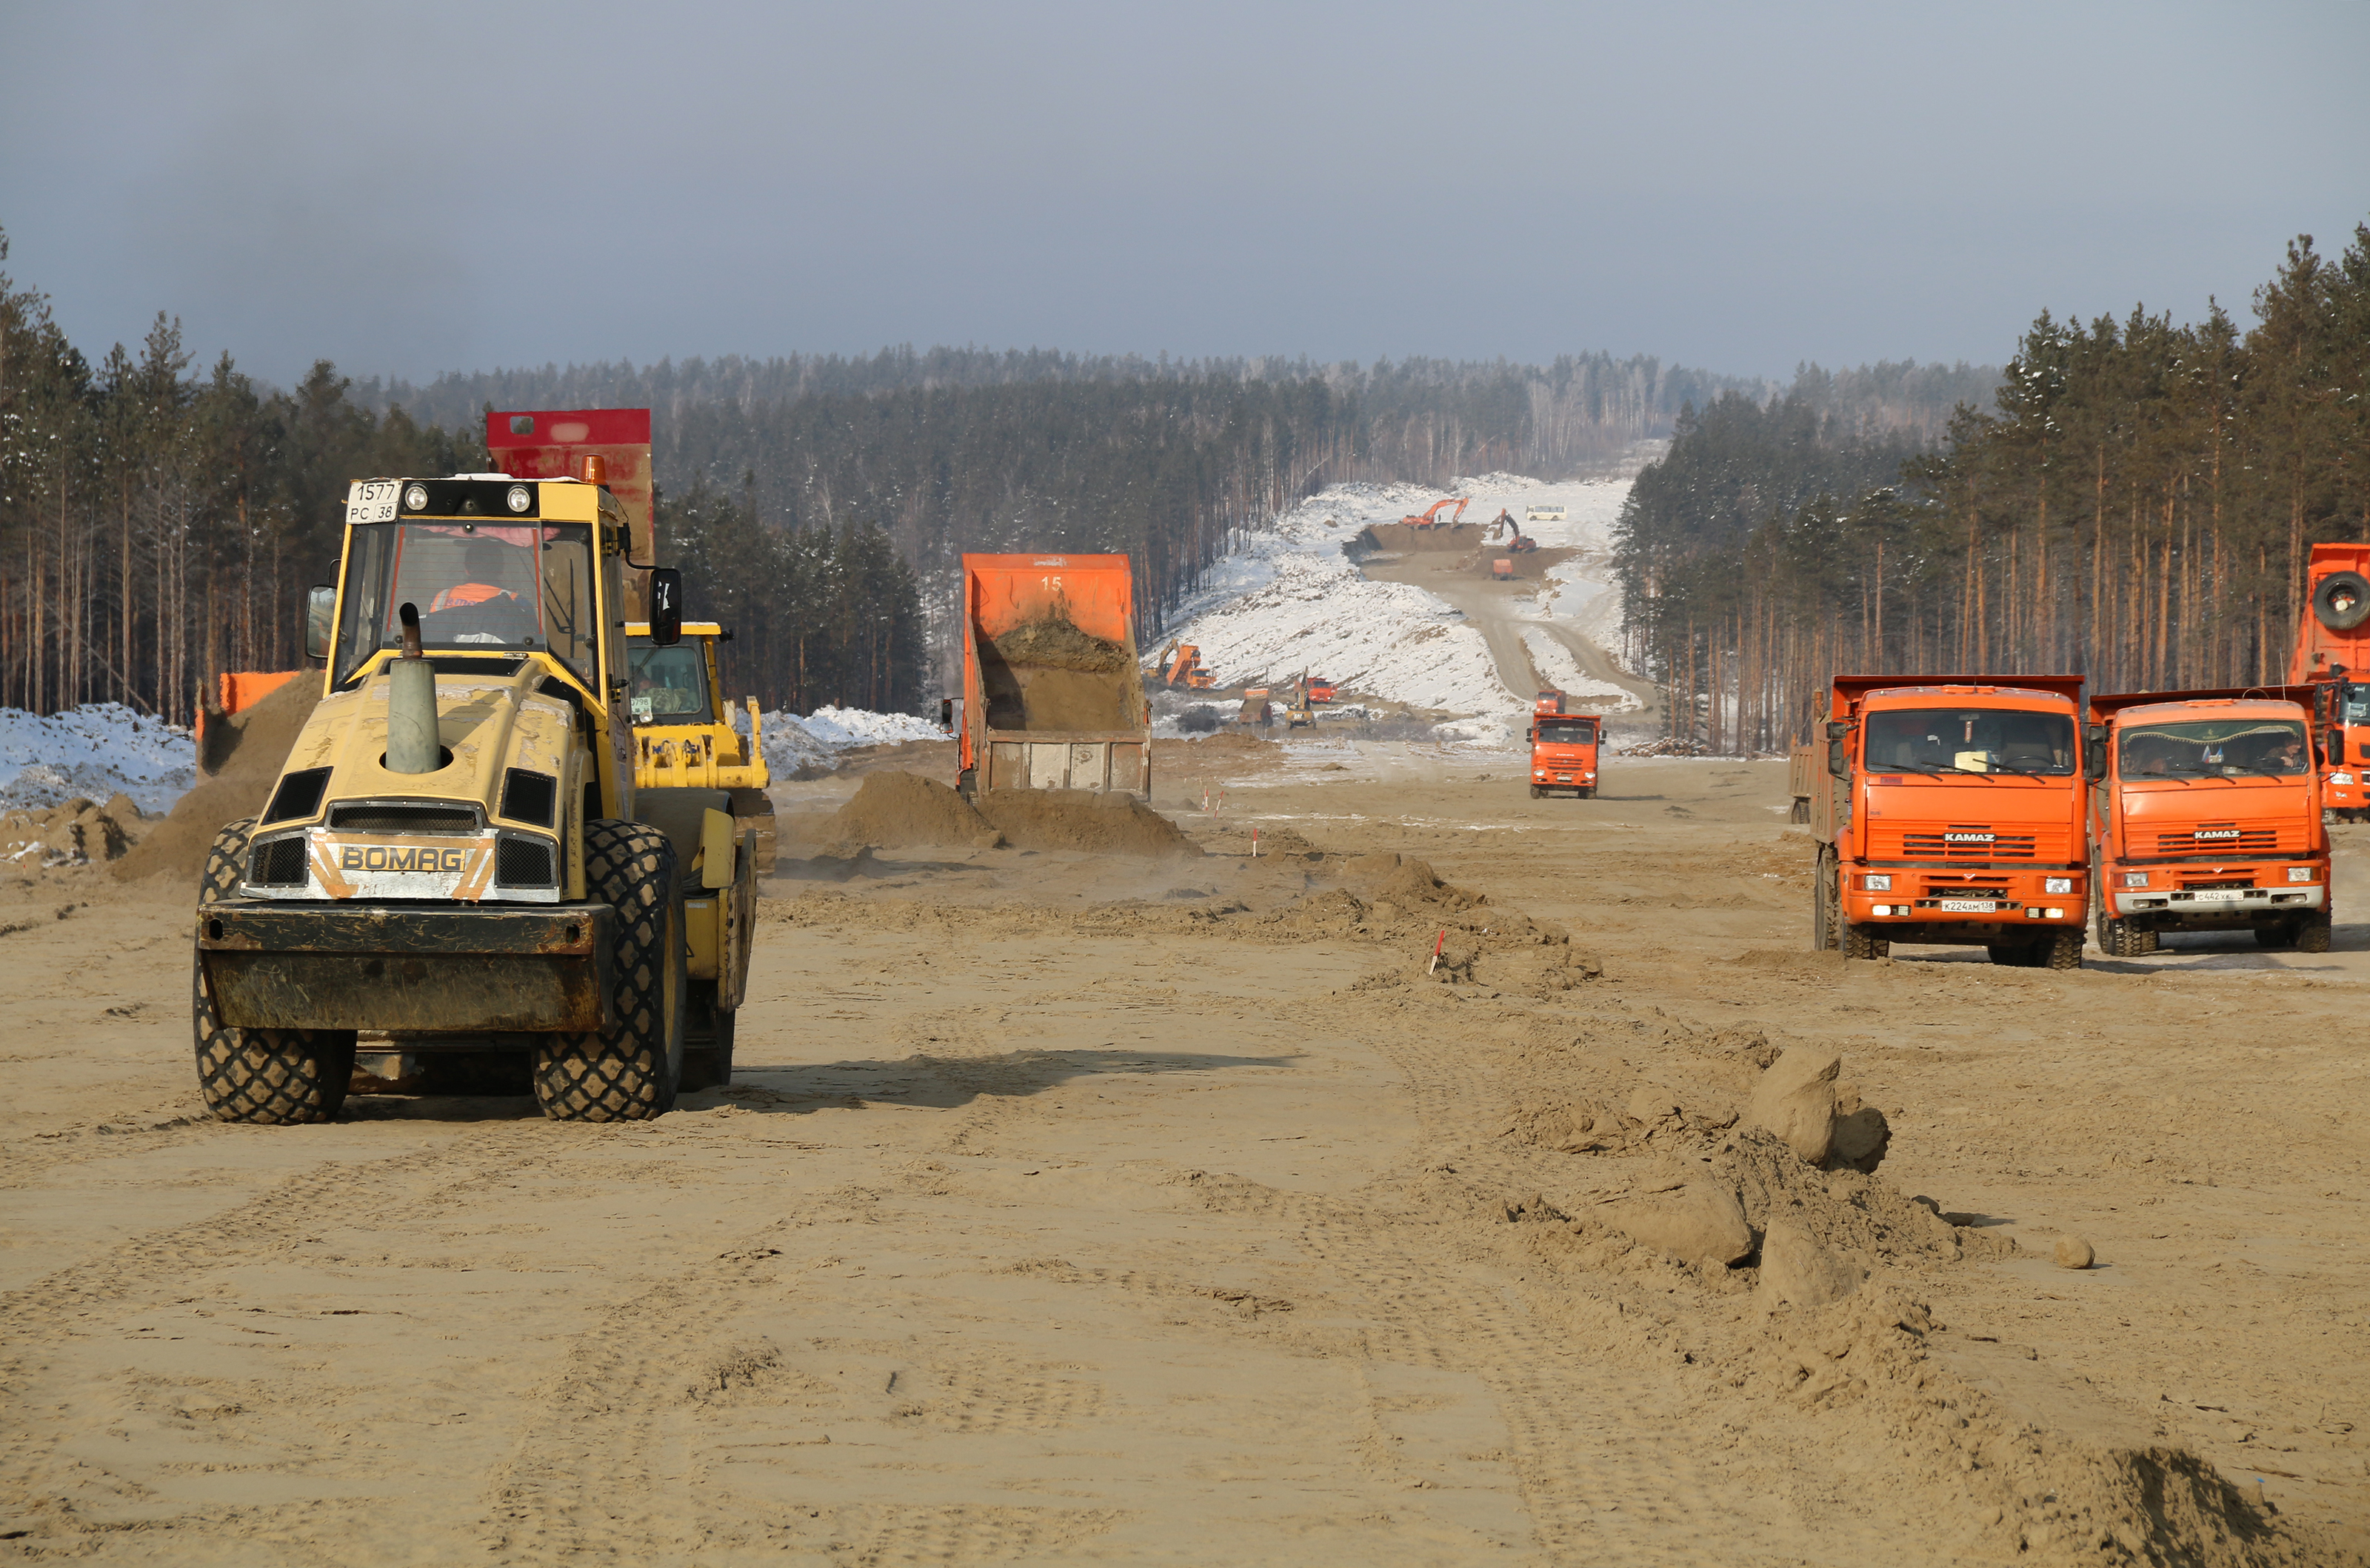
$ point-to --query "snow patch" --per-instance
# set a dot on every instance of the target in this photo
(1558, 668)
(815, 741)
(95, 751)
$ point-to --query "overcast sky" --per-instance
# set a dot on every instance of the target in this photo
(1735, 186)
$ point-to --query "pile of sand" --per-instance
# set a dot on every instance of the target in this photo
(1080, 819)
(245, 754)
(905, 810)
(1054, 643)
(73, 834)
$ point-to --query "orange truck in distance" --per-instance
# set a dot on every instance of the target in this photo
(1563, 748)
(1953, 812)
(2207, 817)
(1052, 686)
(2332, 655)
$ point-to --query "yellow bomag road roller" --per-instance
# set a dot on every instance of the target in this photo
(688, 756)
(454, 858)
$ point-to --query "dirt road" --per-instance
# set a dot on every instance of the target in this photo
(1501, 612)
(1102, 1210)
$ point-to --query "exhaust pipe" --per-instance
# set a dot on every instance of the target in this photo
(412, 743)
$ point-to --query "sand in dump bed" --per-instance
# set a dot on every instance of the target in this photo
(1050, 675)
(241, 768)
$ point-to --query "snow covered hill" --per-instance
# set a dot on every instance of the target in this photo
(1291, 600)
(94, 752)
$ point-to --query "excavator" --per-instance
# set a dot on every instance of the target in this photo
(1429, 517)
(1504, 523)
(1182, 666)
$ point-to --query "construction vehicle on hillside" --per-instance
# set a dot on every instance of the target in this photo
(1298, 713)
(455, 859)
(2332, 651)
(1180, 665)
(1319, 689)
(1517, 541)
(1430, 516)
(1563, 748)
(1951, 810)
(688, 756)
(1052, 686)
(2208, 817)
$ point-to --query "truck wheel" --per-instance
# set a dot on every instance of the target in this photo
(1802, 812)
(1536, 792)
(1863, 941)
(1822, 902)
(2061, 950)
(630, 1071)
(1585, 792)
(2313, 935)
(276, 1076)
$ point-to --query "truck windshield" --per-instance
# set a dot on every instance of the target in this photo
(1969, 739)
(669, 685)
(1567, 734)
(2217, 747)
(476, 589)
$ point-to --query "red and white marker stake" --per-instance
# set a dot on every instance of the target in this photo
(1438, 943)
(1254, 844)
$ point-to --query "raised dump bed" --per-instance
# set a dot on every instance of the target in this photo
(1053, 692)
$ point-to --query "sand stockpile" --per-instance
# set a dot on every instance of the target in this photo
(1080, 819)
(905, 810)
(245, 754)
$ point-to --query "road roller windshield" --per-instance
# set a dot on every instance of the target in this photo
(477, 587)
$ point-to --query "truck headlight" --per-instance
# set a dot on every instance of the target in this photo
(2341, 778)
(1881, 883)
(2135, 879)
(2057, 884)
(2300, 873)
(415, 498)
(520, 498)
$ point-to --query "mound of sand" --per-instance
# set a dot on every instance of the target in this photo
(1054, 643)
(905, 810)
(73, 834)
(1080, 819)
(245, 754)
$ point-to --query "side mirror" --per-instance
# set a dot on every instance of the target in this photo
(1837, 729)
(666, 605)
(2094, 753)
(321, 618)
(1837, 763)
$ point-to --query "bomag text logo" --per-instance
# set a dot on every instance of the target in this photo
(407, 858)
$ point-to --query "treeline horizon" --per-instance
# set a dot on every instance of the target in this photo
(161, 524)
(2137, 506)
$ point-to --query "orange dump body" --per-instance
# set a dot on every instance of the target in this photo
(552, 444)
(1319, 689)
(241, 689)
(1053, 692)
(2333, 648)
(2209, 817)
(1952, 808)
(1563, 751)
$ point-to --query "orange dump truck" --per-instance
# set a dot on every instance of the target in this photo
(1052, 694)
(1563, 748)
(2332, 652)
(1953, 812)
(2207, 817)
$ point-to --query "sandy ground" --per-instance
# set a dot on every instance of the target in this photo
(1115, 1211)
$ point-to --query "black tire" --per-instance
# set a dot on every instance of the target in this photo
(2118, 939)
(1864, 941)
(1536, 792)
(1585, 792)
(270, 1077)
(1802, 812)
(628, 1072)
(2312, 935)
(1824, 935)
(2340, 601)
(2061, 950)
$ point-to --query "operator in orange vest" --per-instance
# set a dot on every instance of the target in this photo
(480, 602)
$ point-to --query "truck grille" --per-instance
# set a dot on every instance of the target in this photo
(2219, 837)
(2197, 885)
(1966, 841)
(1936, 887)
(379, 817)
